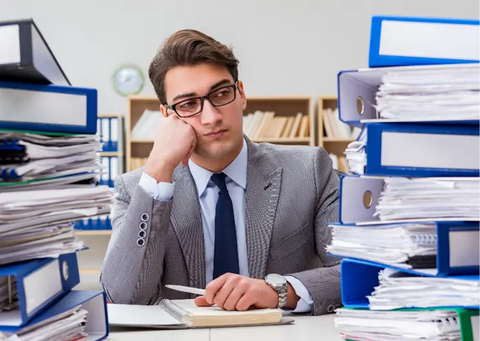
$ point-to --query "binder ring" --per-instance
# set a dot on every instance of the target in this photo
(360, 105)
(367, 199)
(65, 271)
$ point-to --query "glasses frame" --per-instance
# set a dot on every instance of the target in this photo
(203, 98)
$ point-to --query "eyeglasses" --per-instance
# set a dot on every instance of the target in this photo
(193, 106)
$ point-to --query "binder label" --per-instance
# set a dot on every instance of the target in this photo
(464, 248)
(42, 285)
(429, 40)
(10, 43)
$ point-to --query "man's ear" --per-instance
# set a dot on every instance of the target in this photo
(241, 90)
(163, 110)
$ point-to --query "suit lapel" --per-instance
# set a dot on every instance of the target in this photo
(186, 220)
(263, 188)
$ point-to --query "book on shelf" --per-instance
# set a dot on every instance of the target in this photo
(265, 125)
(339, 162)
(146, 126)
(334, 128)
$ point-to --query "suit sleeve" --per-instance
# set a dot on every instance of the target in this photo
(324, 283)
(133, 265)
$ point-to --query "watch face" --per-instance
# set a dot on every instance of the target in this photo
(276, 279)
(128, 80)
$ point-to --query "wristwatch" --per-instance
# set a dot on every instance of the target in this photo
(279, 284)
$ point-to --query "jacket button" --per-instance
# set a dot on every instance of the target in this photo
(331, 308)
(143, 226)
(142, 234)
(145, 217)
(140, 242)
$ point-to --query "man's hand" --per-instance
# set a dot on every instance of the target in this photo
(175, 141)
(235, 292)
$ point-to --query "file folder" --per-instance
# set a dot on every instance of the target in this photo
(398, 41)
(422, 150)
(39, 283)
(359, 195)
(378, 325)
(357, 90)
(458, 250)
(94, 302)
(26, 57)
(359, 279)
(48, 108)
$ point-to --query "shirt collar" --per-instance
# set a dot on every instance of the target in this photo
(236, 171)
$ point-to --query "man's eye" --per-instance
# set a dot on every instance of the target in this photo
(187, 105)
(222, 93)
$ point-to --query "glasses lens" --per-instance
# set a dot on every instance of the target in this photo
(223, 96)
(188, 107)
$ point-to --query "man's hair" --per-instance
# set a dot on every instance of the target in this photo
(189, 48)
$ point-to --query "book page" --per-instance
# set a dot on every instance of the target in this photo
(191, 307)
(139, 315)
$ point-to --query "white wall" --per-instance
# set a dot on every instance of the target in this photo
(284, 46)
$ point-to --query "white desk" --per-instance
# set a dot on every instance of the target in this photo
(304, 328)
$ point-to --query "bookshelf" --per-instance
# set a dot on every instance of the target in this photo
(135, 148)
(286, 107)
(336, 144)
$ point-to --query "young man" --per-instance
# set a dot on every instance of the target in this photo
(212, 209)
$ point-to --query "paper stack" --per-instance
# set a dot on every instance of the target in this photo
(48, 179)
(409, 220)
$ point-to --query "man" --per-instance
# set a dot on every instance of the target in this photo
(211, 208)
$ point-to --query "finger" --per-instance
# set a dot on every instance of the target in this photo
(201, 301)
(245, 302)
(213, 287)
(223, 294)
(232, 300)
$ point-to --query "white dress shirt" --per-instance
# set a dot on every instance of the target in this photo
(236, 181)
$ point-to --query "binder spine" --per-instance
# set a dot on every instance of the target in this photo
(177, 312)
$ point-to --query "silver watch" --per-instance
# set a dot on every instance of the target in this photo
(279, 284)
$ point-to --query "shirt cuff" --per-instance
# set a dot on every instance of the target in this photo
(305, 303)
(162, 191)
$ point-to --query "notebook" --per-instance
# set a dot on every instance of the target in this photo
(171, 314)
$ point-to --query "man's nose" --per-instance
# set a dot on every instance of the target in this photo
(210, 115)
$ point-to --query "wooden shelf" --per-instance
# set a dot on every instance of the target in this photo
(284, 106)
(111, 154)
(333, 145)
(142, 141)
(94, 232)
(337, 139)
(137, 104)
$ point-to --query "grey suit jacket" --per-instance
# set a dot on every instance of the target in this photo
(291, 195)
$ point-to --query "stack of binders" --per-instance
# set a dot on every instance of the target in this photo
(410, 210)
(48, 179)
(109, 129)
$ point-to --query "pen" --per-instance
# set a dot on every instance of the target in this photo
(186, 289)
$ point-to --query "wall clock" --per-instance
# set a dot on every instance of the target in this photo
(128, 80)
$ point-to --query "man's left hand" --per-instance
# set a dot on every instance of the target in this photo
(235, 292)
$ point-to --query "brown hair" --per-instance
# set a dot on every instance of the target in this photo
(189, 47)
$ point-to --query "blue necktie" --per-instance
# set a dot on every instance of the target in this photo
(225, 258)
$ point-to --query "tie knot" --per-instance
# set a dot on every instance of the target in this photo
(219, 180)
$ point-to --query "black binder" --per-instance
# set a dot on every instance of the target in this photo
(28, 58)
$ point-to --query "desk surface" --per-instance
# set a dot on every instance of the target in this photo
(304, 328)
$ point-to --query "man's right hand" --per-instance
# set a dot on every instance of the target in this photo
(175, 142)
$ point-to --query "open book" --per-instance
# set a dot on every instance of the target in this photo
(185, 314)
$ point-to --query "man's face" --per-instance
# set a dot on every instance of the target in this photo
(218, 129)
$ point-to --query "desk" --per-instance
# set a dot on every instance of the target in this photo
(304, 328)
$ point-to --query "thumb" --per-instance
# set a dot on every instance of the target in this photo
(202, 302)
